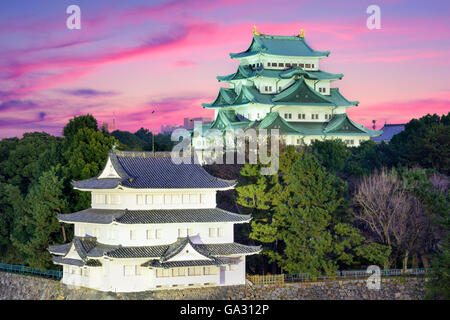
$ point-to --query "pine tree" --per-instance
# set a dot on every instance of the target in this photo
(38, 226)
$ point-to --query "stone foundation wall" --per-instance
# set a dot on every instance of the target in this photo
(19, 287)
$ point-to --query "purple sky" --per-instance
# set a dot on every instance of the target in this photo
(132, 57)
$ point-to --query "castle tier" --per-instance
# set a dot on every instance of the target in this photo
(153, 224)
(279, 85)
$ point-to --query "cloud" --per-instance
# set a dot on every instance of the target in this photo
(89, 93)
(17, 105)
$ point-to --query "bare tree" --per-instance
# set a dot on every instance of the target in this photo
(395, 217)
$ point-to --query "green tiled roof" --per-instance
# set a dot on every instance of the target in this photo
(342, 124)
(273, 120)
(279, 45)
(247, 72)
(298, 93)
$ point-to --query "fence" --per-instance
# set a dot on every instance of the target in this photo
(350, 274)
(55, 274)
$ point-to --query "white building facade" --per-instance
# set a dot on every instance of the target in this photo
(153, 224)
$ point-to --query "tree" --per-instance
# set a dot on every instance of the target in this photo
(299, 215)
(85, 157)
(21, 168)
(128, 139)
(38, 226)
(424, 142)
(365, 158)
(332, 154)
(389, 205)
(77, 123)
(257, 193)
(314, 241)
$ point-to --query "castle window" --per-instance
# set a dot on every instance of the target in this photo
(194, 198)
(182, 233)
(294, 64)
(190, 232)
(281, 64)
(158, 233)
(308, 65)
(139, 199)
(312, 66)
(115, 199)
(129, 271)
(132, 234)
(301, 65)
(298, 141)
(150, 234)
(288, 65)
(100, 199)
(220, 232)
(290, 115)
(149, 199)
(212, 232)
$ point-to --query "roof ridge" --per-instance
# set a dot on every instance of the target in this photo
(143, 154)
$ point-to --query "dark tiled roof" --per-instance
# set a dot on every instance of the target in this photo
(187, 263)
(179, 245)
(138, 252)
(93, 249)
(73, 262)
(153, 216)
(224, 249)
(389, 130)
(76, 262)
(61, 249)
(155, 171)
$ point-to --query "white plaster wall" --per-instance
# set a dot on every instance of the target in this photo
(266, 58)
(111, 276)
(308, 111)
(116, 234)
(150, 199)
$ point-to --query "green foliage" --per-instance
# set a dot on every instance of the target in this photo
(298, 214)
(85, 156)
(77, 123)
(332, 154)
(37, 225)
(365, 158)
(128, 139)
(21, 165)
(374, 253)
(424, 142)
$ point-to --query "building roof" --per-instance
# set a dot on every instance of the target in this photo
(93, 249)
(298, 93)
(339, 125)
(188, 263)
(389, 130)
(154, 171)
(247, 72)
(107, 216)
(279, 45)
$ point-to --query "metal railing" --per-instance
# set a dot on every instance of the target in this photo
(54, 274)
(347, 274)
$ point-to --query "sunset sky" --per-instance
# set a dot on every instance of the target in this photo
(132, 57)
